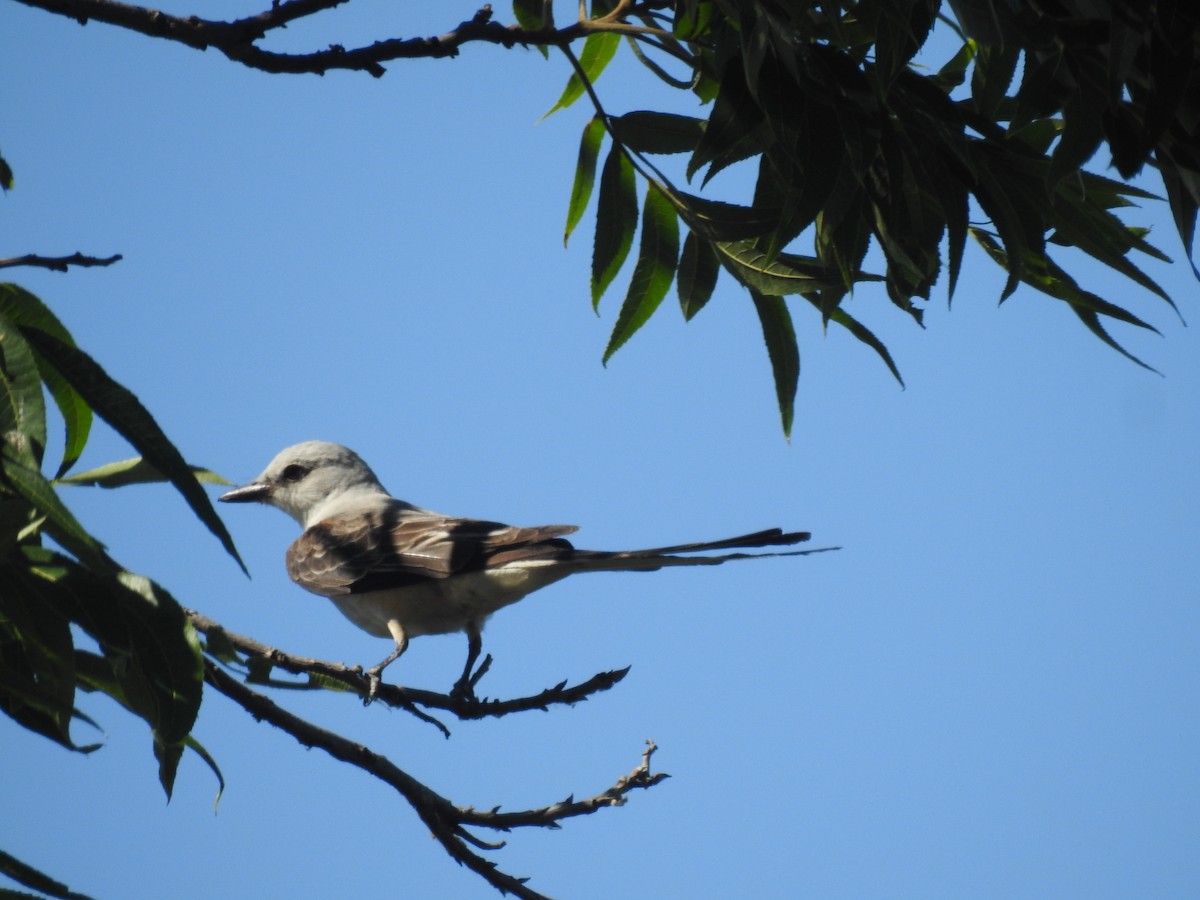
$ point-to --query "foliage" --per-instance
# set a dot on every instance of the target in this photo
(855, 146)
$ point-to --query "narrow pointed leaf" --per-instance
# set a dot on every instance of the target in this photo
(697, 277)
(125, 413)
(585, 174)
(720, 221)
(196, 747)
(132, 471)
(22, 408)
(787, 274)
(658, 255)
(658, 132)
(616, 221)
(19, 472)
(1044, 275)
(783, 352)
(23, 308)
(597, 52)
(864, 334)
(528, 14)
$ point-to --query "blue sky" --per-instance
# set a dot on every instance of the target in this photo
(990, 691)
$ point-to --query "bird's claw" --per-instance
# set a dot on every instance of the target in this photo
(373, 682)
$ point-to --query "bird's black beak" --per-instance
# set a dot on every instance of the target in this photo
(255, 492)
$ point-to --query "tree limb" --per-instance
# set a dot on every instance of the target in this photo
(445, 820)
(393, 695)
(238, 39)
(59, 263)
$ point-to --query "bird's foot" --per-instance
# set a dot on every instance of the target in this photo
(464, 688)
(373, 682)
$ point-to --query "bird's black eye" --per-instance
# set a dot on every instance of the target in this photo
(294, 473)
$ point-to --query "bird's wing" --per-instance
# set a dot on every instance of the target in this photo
(354, 554)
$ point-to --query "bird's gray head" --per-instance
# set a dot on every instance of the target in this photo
(309, 481)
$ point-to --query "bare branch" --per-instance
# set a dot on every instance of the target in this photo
(445, 820)
(59, 263)
(237, 39)
(442, 817)
(402, 697)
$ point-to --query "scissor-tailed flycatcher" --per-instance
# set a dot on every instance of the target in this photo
(397, 570)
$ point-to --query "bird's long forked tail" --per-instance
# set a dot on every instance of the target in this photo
(679, 554)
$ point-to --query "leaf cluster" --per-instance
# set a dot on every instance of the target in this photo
(56, 577)
(855, 146)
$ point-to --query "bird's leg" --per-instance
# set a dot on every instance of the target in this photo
(464, 688)
(373, 673)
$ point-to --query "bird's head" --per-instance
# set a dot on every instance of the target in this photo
(310, 481)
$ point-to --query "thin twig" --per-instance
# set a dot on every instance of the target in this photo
(59, 263)
(403, 697)
(445, 820)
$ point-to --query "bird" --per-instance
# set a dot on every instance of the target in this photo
(400, 571)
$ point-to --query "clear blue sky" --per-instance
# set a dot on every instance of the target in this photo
(989, 692)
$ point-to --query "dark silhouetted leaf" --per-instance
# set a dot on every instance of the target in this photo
(23, 308)
(657, 132)
(697, 277)
(658, 254)
(783, 352)
(22, 409)
(125, 413)
(786, 274)
(616, 221)
(19, 472)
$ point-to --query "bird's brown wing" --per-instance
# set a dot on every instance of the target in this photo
(354, 554)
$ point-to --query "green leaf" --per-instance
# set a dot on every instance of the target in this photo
(864, 334)
(20, 473)
(658, 132)
(698, 270)
(585, 174)
(31, 878)
(994, 68)
(132, 471)
(734, 119)
(720, 221)
(788, 273)
(658, 255)
(125, 413)
(616, 221)
(152, 662)
(196, 747)
(22, 408)
(783, 352)
(23, 308)
(1044, 275)
(528, 14)
(168, 756)
(597, 52)
(37, 665)
(693, 19)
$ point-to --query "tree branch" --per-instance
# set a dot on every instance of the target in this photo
(59, 263)
(237, 39)
(221, 640)
(445, 820)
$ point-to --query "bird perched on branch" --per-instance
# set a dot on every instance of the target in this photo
(396, 570)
